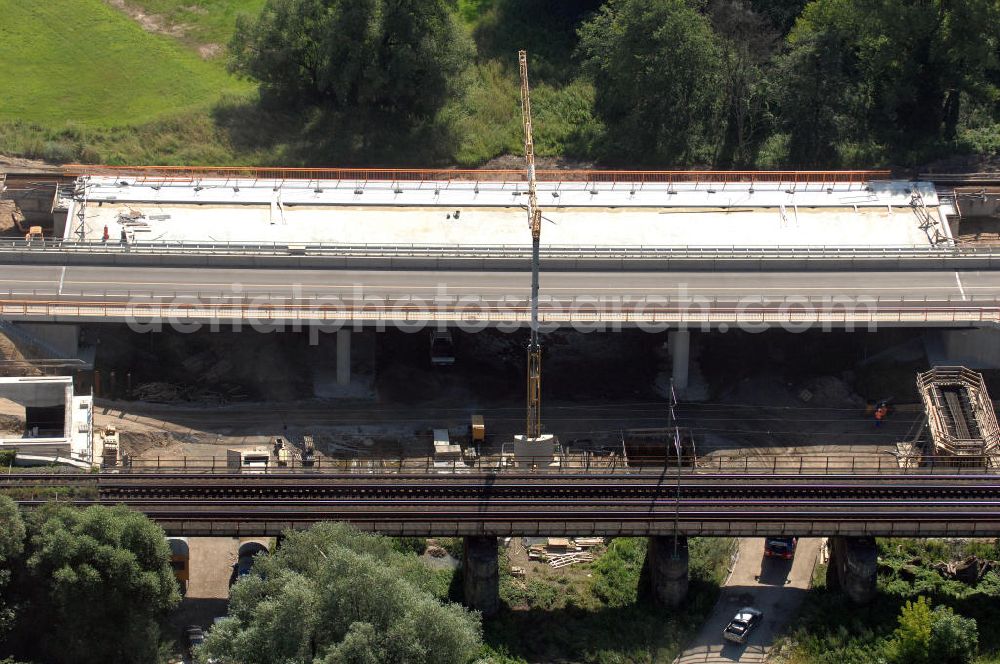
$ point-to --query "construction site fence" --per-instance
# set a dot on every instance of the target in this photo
(483, 175)
(583, 463)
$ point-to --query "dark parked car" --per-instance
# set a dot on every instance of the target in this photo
(196, 637)
(739, 628)
(780, 547)
(244, 560)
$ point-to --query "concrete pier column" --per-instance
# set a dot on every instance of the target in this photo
(679, 343)
(853, 567)
(481, 574)
(343, 357)
(668, 569)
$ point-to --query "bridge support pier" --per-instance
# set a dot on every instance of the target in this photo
(58, 340)
(343, 357)
(481, 574)
(668, 568)
(853, 566)
(679, 344)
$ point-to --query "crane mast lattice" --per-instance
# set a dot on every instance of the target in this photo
(534, 411)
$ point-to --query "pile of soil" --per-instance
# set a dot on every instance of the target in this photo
(11, 218)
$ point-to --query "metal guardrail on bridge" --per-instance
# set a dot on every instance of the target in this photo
(125, 305)
(584, 464)
(623, 252)
(497, 175)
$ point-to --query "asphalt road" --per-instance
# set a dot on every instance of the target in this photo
(92, 283)
(776, 587)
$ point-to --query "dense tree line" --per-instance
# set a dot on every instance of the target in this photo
(729, 83)
(80, 586)
(94, 585)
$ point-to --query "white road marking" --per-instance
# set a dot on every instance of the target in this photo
(961, 290)
(62, 277)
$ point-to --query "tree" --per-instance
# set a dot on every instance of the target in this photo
(547, 29)
(655, 68)
(912, 639)
(11, 545)
(334, 595)
(780, 13)
(811, 84)
(746, 44)
(936, 637)
(98, 578)
(954, 638)
(384, 61)
(892, 72)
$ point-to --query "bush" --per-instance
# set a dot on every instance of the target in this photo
(954, 639)
(7, 457)
(616, 573)
(932, 637)
(415, 545)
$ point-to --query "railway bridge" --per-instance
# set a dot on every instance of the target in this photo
(851, 508)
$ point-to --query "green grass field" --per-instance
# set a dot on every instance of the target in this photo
(85, 63)
(201, 22)
(84, 81)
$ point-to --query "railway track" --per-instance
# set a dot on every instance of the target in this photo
(716, 503)
(554, 490)
(488, 486)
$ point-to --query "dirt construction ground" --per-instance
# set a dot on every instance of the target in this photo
(773, 586)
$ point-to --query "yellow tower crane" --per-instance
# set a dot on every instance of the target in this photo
(533, 430)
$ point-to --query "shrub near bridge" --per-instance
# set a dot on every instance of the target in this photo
(917, 609)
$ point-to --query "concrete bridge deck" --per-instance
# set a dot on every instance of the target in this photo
(466, 212)
(82, 293)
